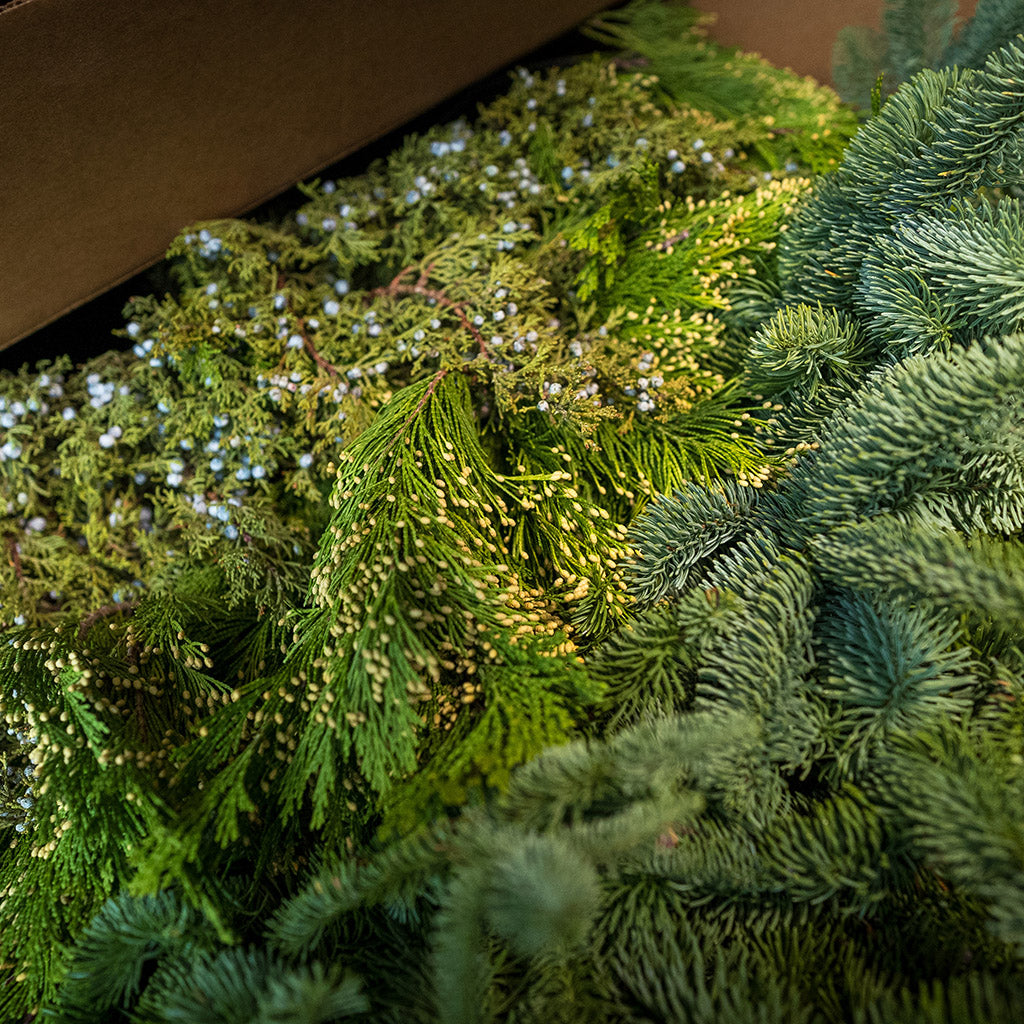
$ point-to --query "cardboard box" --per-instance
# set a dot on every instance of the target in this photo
(122, 121)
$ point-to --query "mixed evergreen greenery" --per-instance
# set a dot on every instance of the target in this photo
(316, 560)
(562, 595)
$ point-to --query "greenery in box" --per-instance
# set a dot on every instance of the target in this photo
(805, 804)
(782, 713)
(318, 559)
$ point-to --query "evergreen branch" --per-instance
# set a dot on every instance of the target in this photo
(426, 396)
(993, 22)
(959, 817)
(892, 448)
(977, 133)
(127, 934)
(977, 574)
(891, 669)
(237, 985)
(678, 533)
(329, 368)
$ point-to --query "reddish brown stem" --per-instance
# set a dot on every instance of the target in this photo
(396, 288)
(14, 553)
(329, 368)
(104, 613)
(395, 281)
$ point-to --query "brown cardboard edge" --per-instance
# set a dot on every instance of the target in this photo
(567, 15)
(11, 4)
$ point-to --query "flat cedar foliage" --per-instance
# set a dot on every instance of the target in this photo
(569, 572)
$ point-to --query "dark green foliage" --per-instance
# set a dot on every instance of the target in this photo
(114, 950)
(972, 997)
(764, 103)
(915, 34)
(960, 809)
(192, 981)
(690, 528)
(994, 22)
(831, 353)
(236, 986)
(913, 235)
(803, 803)
(541, 897)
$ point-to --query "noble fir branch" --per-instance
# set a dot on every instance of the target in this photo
(971, 997)
(895, 445)
(974, 574)
(875, 641)
(391, 880)
(947, 136)
(990, 98)
(166, 949)
(237, 985)
(820, 257)
(994, 22)
(650, 666)
(686, 529)
(915, 34)
(535, 893)
(800, 351)
(886, 667)
(919, 33)
(128, 934)
(895, 668)
(960, 821)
